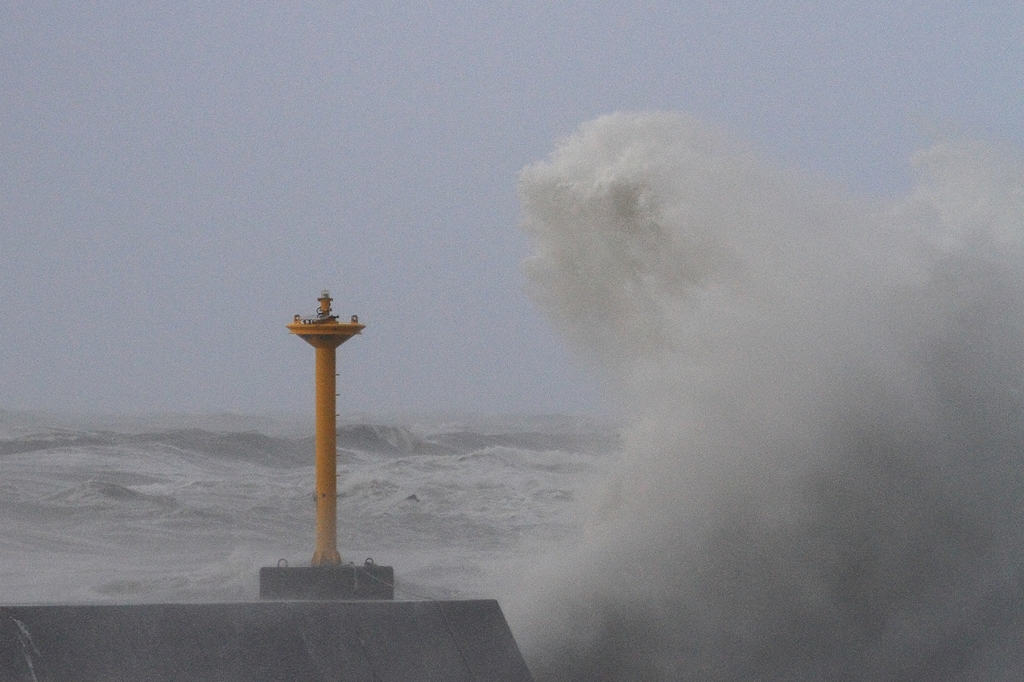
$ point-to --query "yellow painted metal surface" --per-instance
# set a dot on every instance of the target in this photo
(325, 334)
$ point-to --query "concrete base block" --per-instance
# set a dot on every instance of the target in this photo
(267, 641)
(345, 581)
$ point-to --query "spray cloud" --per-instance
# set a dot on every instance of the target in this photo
(824, 467)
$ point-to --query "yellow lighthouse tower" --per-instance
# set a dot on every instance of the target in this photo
(326, 577)
(325, 333)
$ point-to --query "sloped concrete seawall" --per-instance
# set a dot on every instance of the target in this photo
(350, 641)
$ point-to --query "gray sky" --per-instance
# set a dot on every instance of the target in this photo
(179, 179)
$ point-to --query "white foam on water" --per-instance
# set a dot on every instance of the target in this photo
(157, 509)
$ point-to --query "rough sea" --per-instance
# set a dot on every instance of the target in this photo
(816, 470)
(188, 508)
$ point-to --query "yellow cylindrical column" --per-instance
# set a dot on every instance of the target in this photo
(326, 460)
(325, 333)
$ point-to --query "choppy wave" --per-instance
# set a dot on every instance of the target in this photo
(823, 474)
(255, 447)
(146, 509)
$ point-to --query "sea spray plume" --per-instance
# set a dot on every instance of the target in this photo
(824, 468)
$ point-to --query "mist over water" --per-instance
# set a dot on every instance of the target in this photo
(824, 463)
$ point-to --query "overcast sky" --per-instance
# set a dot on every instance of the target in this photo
(177, 180)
